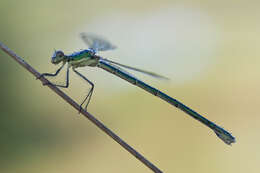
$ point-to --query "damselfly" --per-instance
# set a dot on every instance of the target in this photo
(88, 57)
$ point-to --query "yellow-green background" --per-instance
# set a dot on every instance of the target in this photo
(209, 49)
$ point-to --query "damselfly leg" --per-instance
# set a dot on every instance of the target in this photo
(55, 74)
(88, 97)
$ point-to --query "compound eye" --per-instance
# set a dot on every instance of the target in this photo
(60, 54)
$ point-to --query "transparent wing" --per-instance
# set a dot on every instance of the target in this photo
(96, 42)
(119, 68)
(139, 70)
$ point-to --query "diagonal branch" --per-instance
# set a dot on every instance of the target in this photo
(85, 113)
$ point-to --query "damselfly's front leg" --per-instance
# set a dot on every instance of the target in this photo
(88, 97)
(55, 74)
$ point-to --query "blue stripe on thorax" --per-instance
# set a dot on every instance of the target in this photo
(80, 52)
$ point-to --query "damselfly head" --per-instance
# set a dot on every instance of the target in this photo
(57, 57)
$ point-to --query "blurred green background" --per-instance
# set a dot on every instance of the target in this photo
(209, 49)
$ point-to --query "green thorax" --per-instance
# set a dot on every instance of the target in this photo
(83, 58)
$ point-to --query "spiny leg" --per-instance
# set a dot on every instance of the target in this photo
(55, 74)
(88, 97)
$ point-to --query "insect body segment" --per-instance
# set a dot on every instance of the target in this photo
(57, 57)
(83, 58)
